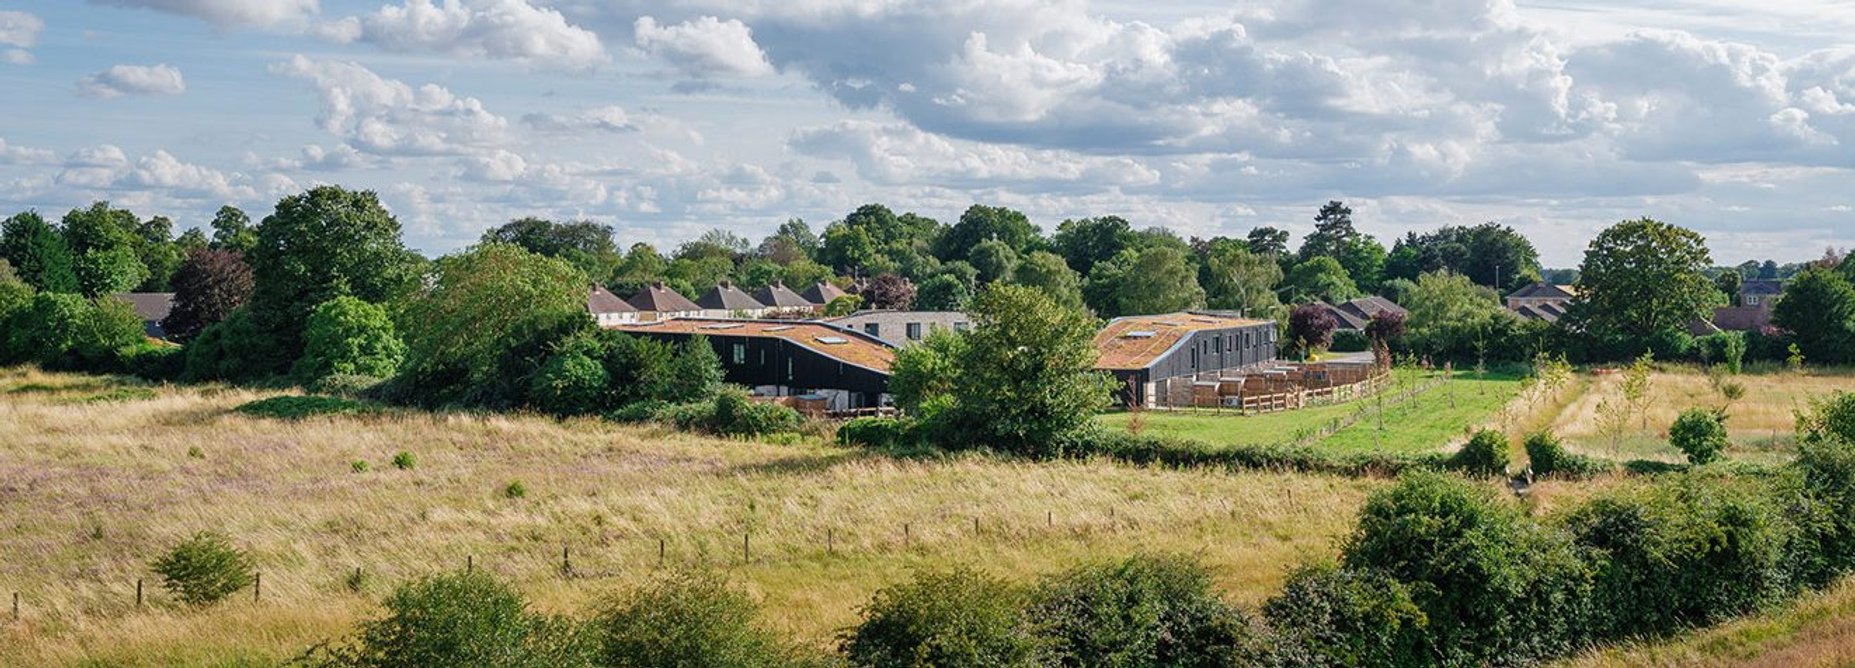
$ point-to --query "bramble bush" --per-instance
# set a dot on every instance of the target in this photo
(1547, 456)
(959, 617)
(1700, 433)
(1484, 455)
(689, 620)
(204, 569)
(1332, 616)
(459, 619)
(1148, 610)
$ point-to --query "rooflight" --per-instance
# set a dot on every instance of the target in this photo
(780, 328)
(833, 340)
(721, 325)
(1140, 334)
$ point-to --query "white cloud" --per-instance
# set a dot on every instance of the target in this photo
(20, 29)
(385, 116)
(894, 154)
(118, 80)
(491, 29)
(229, 13)
(704, 46)
(21, 155)
(610, 118)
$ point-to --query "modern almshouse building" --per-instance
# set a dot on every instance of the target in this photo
(837, 369)
(1157, 358)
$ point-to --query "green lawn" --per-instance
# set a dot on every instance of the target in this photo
(1435, 419)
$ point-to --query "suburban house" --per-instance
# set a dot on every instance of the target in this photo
(1750, 311)
(727, 301)
(780, 300)
(1542, 301)
(818, 365)
(658, 302)
(899, 328)
(1156, 358)
(1354, 315)
(152, 308)
(821, 293)
(607, 309)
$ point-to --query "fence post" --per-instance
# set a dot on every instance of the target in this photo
(470, 563)
(16, 606)
(830, 541)
(566, 563)
(138, 593)
(746, 553)
(975, 525)
(257, 586)
(1049, 518)
(660, 552)
(907, 541)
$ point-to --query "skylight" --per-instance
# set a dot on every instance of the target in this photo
(1140, 334)
(721, 325)
(833, 340)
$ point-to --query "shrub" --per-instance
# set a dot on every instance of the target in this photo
(1494, 586)
(950, 618)
(737, 415)
(349, 336)
(460, 619)
(303, 407)
(1350, 341)
(404, 461)
(686, 620)
(345, 385)
(204, 569)
(232, 349)
(1826, 459)
(570, 383)
(515, 490)
(1681, 553)
(1700, 433)
(1326, 615)
(359, 466)
(638, 411)
(155, 361)
(876, 432)
(1485, 454)
(1145, 611)
(1547, 456)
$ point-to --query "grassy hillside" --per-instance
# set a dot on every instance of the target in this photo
(98, 477)
(1761, 424)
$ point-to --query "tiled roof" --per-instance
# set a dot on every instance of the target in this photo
(1546, 291)
(660, 299)
(598, 300)
(1762, 287)
(1136, 342)
(778, 295)
(726, 297)
(845, 346)
(822, 293)
(151, 306)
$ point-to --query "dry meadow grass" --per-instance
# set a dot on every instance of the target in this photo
(96, 481)
(1817, 631)
(1761, 424)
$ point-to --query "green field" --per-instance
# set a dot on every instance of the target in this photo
(1433, 420)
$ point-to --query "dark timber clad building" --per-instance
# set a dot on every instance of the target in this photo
(789, 358)
(1150, 354)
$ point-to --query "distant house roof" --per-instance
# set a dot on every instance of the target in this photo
(658, 298)
(845, 346)
(151, 307)
(822, 292)
(1538, 312)
(1761, 287)
(778, 295)
(1545, 291)
(1358, 313)
(1135, 342)
(599, 300)
(726, 297)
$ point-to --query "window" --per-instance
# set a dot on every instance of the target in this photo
(1751, 300)
(914, 331)
(872, 329)
(740, 353)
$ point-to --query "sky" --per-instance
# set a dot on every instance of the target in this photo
(666, 118)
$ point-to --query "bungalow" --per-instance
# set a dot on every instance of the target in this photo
(898, 328)
(727, 301)
(152, 308)
(821, 294)
(658, 302)
(1155, 357)
(608, 309)
(1542, 301)
(1354, 315)
(782, 301)
(842, 370)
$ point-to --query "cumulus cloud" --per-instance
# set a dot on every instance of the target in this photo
(229, 13)
(895, 153)
(704, 47)
(22, 155)
(19, 30)
(610, 118)
(389, 117)
(119, 80)
(491, 29)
